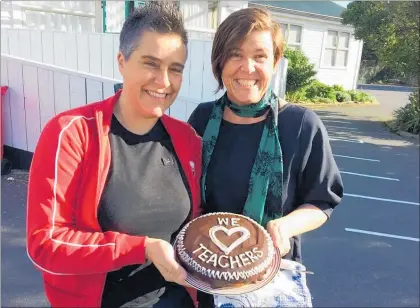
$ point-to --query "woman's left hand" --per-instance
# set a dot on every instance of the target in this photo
(279, 235)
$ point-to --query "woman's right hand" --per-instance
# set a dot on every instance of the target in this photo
(162, 254)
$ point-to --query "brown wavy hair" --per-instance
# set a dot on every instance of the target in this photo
(235, 29)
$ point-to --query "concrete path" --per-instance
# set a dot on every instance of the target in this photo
(352, 268)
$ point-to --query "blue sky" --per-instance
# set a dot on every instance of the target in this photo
(342, 3)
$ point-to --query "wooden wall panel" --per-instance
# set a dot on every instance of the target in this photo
(77, 91)
(195, 90)
(6, 127)
(71, 51)
(17, 105)
(93, 91)
(36, 46)
(30, 86)
(59, 48)
(4, 41)
(83, 52)
(46, 95)
(61, 92)
(107, 55)
(95, 51)
(47, 39)
(24, 44)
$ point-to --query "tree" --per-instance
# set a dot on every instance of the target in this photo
(390, 30)
(299, 71)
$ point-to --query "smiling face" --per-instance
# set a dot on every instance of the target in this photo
(152, 75)
(248, 71)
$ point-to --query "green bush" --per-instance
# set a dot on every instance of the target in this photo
(338, 88)
(353, 94)
(407, 118)
(318, 92)
(297, 96)
(319, 89)
(301, 87)
(299, 71)
(364, 98)
(357, 96)
(342, 96)
(360, 97)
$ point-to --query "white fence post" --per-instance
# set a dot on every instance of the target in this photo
(98, 17)
(278, 83)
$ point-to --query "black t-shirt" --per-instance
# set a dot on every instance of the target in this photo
(310, 172)
(146, 194)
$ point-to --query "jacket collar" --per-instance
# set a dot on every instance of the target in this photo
(104, 115)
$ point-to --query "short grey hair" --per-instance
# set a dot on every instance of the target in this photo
(156, 16)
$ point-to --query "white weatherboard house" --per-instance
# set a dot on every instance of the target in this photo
(312, 26)
(57, 55)
(315, 28)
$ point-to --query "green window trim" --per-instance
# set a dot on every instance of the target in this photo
(103, 6)
(131, 5)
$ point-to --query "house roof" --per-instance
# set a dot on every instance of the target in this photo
(326, 8)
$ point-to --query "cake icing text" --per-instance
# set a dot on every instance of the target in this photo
(232, 262)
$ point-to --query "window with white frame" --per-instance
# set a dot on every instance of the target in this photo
(336, 49)
(292, 35)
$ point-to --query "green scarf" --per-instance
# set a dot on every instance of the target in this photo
(264, 201)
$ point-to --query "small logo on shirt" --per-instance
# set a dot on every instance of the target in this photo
(167, 161)
(192, 165)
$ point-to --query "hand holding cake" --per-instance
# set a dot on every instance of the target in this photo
(162, 254)
(279, 235)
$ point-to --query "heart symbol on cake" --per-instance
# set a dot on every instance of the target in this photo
(227, 250)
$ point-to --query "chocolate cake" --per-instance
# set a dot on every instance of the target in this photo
(225, 250)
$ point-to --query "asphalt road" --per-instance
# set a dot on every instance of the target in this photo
(351, 269)
(21, 284)
(355, 269)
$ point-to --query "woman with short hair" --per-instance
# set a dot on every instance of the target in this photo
(262, 157)
(111, 183)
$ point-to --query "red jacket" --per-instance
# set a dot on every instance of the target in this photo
(66, 180)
